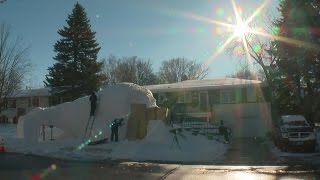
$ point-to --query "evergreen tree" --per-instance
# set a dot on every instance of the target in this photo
(76, 72)
(298, 63)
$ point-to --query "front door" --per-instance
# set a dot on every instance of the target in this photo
(203, 101)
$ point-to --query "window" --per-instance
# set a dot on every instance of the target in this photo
(251, 94)
(181, 97)
(12, 103)
(243, 96)
(35, 101)
(184, 97)
(203, 98)
(188, 97)
(29, 102)
(228, 96)
(21, 111)
(214, 97)
(161, 98)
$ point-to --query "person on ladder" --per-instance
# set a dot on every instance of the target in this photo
(93, 105)
(93, 100)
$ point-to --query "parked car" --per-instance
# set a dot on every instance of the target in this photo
(294, 132)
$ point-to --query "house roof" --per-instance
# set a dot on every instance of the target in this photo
(205, 84)
(30, 93)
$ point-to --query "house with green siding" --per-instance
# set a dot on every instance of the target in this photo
(243, 105)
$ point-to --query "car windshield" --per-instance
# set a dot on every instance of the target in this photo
(296, 123)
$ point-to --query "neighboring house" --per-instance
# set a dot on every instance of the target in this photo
(23, 101)
(242, 104)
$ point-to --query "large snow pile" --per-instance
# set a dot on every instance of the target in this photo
(72, 117)
(114, 101)
(157, 145)
(157, 132)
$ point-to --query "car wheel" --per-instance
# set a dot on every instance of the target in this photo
(284, 148)
(277, 143)
(312, 149)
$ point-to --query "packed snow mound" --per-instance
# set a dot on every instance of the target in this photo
(72, 117)
(159, 144)
(158, 132)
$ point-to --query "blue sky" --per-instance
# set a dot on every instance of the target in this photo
(150, 29)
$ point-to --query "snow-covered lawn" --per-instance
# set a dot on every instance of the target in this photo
(157, 145)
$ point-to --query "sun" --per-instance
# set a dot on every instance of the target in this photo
(241, 29)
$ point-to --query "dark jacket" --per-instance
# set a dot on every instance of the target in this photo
(116, 123)
(93, 99)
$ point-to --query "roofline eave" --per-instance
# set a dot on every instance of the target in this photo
(164, 90)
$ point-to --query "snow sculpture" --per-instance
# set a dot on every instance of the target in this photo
(113, 101)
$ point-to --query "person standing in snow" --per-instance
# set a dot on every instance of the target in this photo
(223, 130)
(114, 129)
(93, 100)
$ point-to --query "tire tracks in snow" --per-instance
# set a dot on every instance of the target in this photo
(169, 172)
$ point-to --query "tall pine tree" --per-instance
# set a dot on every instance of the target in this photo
(298, 63)
(76, 72)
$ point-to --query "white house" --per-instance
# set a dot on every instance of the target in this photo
(23, 101)
(242, 104)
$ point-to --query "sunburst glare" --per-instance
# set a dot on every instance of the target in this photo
(240, 29)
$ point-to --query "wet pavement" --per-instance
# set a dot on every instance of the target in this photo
(247, 158)
(251, 151)
(17, 166)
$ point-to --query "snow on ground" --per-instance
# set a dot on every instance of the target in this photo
(157, 145)
(71, 117)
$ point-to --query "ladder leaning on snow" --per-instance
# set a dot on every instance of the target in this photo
(90, 120)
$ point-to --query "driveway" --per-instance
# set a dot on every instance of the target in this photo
(253, 151)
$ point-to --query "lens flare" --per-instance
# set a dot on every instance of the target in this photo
(44, 173)
(218, 30)
(240, 28)
(201, 30)
(220, 12)
(275, 30)
(257, 48)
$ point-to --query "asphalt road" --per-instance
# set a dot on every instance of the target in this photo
(17, 166)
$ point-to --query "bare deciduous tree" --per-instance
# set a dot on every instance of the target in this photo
(245, 73)
(14, 63)
(129, 69)
(257, 50)
(110, 66)
(261, 60)
(180, 69)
